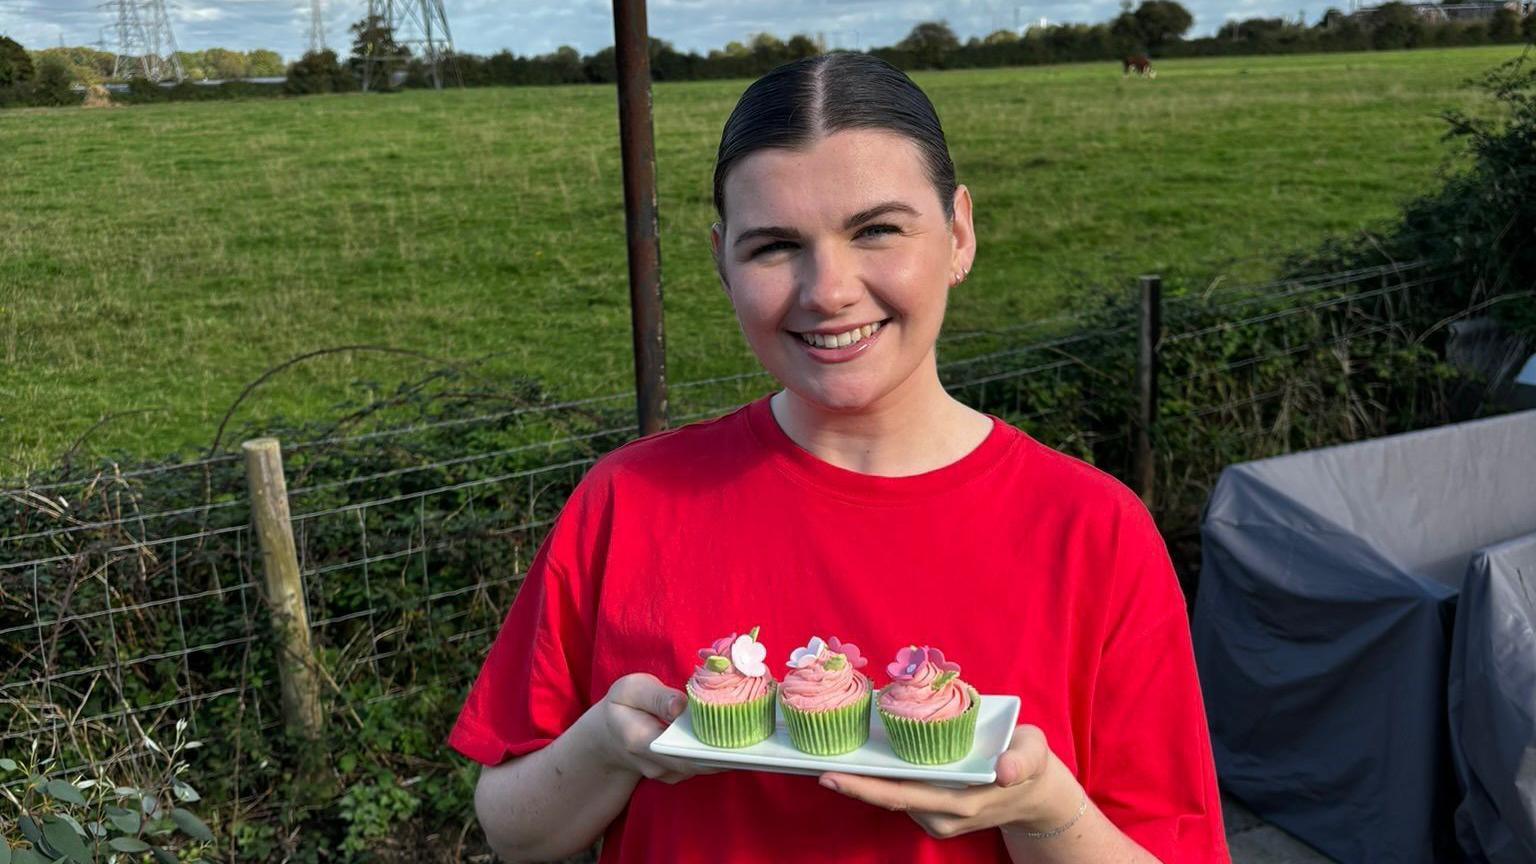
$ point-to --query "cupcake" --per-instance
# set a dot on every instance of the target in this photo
(730, 696)
(825, 700)
(928, 712)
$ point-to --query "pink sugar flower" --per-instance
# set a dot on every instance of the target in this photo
(908, 661)
(848, 650)
(719, 648)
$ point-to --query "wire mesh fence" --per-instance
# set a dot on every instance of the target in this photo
(130, 599)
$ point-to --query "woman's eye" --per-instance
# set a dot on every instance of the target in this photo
(879, 230)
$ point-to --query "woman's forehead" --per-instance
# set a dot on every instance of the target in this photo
(845, 171)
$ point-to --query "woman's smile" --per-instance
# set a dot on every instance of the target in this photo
(839, 344)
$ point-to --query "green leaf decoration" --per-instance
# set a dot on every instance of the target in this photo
(64, 791)
(716, 663)
(128, 844)
(944, 678)
(63, 839)
(163, 856)
(190, 825)
(126, 821)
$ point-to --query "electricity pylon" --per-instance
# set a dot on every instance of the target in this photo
(146, 46)
(421, 25)
(316, 26)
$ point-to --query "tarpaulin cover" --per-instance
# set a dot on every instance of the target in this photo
(1323, 622)
(1493, 704)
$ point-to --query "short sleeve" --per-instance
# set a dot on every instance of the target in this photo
(534, 683)
(1151, 771)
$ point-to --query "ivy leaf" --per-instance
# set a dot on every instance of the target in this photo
(128, 844)
(192, 826)
(63, 839)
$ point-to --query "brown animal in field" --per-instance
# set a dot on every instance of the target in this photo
(1142, 64)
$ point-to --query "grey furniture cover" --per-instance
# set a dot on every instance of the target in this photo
(1323, 621)
(1493, 704)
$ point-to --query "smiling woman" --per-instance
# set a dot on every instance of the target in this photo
(861, 499)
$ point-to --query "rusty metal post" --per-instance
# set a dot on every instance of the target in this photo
(1144, 469)
(631, 43)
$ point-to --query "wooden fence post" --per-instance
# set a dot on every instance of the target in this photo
(1150, 334)
(285, 586)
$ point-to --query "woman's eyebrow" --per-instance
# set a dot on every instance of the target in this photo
(877, 211)
(851, 222)
(766, 231)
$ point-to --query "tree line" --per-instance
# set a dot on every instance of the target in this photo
(377, 62)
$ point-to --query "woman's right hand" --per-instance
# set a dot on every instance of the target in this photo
(636, 710)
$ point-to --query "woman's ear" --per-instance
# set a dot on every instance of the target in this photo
(716, 248)
(963, 233)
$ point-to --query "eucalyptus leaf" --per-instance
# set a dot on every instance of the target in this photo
(126, 821)
(5, 852)
(184, 792)
(63, 839)
(30, 830)
(64, 791)
(7, 765)
(163, 856)
(128, 844)
(27, 856)
(190, 825)
(75, 824)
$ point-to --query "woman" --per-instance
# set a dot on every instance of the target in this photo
(861, 501)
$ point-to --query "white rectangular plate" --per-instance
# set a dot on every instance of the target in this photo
(994, 729)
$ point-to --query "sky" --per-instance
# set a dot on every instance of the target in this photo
(539, 26)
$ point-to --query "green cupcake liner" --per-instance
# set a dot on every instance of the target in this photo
(933, 742)
(738, 725)
(828, 733)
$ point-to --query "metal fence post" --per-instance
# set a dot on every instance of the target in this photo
(284, 586)
(1149, 337)
(637, 146)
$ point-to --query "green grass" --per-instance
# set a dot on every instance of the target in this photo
(156, 259)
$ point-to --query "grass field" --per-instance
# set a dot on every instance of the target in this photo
(156, 259)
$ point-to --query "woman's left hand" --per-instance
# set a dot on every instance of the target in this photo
(1017, 797)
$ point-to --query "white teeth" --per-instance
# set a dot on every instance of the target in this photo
(841, 340)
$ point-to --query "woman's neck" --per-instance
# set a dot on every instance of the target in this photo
(913, 430)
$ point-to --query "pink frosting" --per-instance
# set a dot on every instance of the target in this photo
(815, 688)
(726, 688)
(917, 700)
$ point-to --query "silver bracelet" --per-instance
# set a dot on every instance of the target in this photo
(1046, 835)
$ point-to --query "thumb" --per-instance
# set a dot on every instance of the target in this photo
(663, 701)
(1011, 769)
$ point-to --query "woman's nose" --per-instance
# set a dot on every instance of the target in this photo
(828, 284)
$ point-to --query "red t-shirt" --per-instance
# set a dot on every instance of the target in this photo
(1040, 575)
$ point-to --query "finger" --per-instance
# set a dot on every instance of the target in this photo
(1024, 759)
(898, 794)
(644, 692)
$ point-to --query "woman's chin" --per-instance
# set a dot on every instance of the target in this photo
(837, 398)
